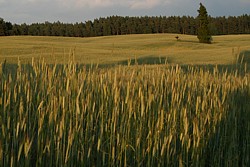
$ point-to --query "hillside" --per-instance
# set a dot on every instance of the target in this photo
(119, 49)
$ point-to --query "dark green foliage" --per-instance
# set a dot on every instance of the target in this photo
(204, 35)
(118, 25)
(2, 27)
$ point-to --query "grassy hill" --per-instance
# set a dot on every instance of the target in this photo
(119, 49)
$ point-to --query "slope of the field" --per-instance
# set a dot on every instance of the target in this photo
(118, 49)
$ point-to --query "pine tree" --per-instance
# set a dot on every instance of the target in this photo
(2, 27)
(204, 35)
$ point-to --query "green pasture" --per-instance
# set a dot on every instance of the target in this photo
(119, 49)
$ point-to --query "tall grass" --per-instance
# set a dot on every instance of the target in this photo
(63, 115)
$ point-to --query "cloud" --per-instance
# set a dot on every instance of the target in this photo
(131, 4)
(245, 1)
(87, 3)
(145, 4)
(19, 11)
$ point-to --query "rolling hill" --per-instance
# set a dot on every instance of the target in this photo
(152, 48)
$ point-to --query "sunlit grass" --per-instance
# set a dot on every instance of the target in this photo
(113, 49)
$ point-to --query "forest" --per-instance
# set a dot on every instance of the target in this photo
(119, 25)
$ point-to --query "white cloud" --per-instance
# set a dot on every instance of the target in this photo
(132, 4)
(87, 3)
(32, 0)
(245, 1)
(145, 4)
(93, 3)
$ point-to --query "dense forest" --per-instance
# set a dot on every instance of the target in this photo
(118, 25)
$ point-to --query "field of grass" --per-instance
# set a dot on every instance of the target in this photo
(56, 111)
(118, 49)
(61, 115)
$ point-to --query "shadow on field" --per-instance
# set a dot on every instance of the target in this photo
(242, 67)
(229, 145)
(244, 57)
(8, 69)
(149, 60)
(221, 68)
(187, 41)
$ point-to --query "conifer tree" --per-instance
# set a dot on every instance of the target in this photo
(2, 27)
(204, 35)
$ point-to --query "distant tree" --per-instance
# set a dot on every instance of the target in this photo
(2, 27)
(97, 27)
(163, 24)
(123, 28)
(77, 30)
(185, 25)
(47, 28)
(24, 29)
(16, 29)
(204, 35)
(156, 24)
(34, 29)
(9, 28)
(106, 27)
(204, 26)
(117, 25)
(69, 30)
(89, 32)
(172, 24)
(177, 37)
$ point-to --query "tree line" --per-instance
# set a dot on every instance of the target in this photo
(119, 25)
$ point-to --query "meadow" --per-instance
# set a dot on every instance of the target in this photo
(56, 110)
(115, 49)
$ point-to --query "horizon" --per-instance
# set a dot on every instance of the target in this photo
(65, 11)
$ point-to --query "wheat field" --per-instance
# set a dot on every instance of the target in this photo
(67, 115)
(135, 100)
(115, 49)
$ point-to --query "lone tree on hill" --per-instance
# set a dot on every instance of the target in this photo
(204, 35)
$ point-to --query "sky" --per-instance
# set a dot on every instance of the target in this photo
(71, 11)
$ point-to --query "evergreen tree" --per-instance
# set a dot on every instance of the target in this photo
(203, 28)
(2, 27)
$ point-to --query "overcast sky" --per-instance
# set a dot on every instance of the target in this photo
(71, 11)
